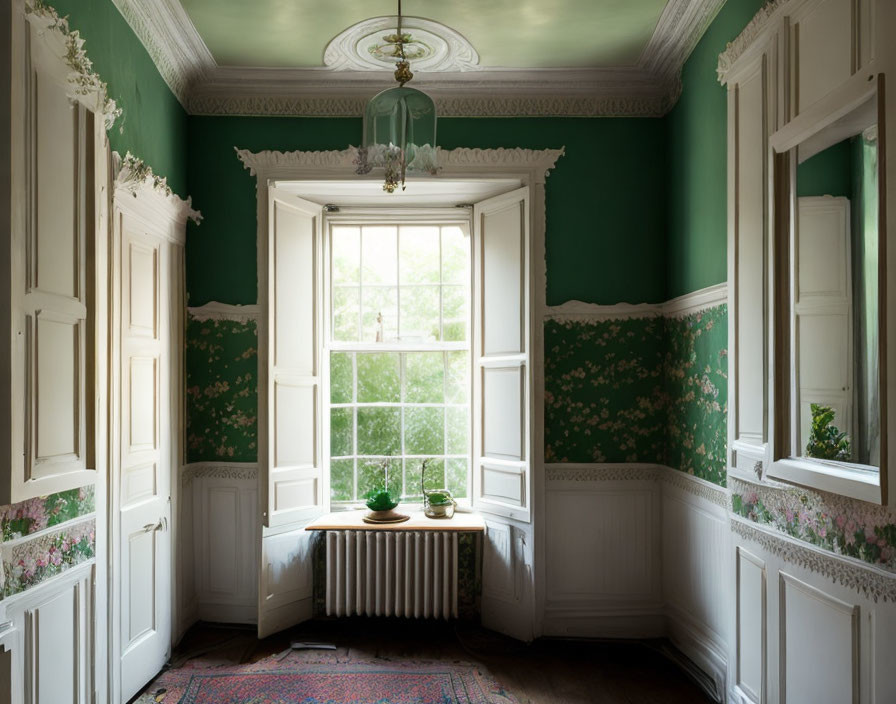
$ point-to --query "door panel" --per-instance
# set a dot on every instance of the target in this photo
(144, 467)
(291, 459)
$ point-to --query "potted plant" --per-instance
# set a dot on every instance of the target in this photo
(437, 503)
(382, 501)
(826, 440)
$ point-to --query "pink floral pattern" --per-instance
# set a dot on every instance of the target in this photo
(48, 556)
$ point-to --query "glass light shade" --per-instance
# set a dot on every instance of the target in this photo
(399, 135)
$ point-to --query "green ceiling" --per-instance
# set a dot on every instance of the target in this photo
(511, 33)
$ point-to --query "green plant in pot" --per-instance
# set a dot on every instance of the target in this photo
(826, 440)
(437, 503)
(382, 501)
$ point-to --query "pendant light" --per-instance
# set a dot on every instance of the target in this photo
(399, 125)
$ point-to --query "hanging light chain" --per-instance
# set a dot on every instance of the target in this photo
(403, 72)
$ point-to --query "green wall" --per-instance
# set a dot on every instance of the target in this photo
(153, 125)
(696, 138)
(605, 204)
(828, 173)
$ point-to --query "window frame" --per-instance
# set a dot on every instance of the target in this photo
(360, 217)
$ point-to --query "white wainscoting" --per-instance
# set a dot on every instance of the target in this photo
(697, 582)
(603, 571)
(812, 627)
(224, 550)
(52, 639)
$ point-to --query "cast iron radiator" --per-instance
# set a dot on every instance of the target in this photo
(412, 574)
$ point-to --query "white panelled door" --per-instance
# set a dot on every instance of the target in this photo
(144, 439)
(503, 407)
(291, 434)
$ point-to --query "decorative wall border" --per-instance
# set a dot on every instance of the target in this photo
(134, 176)
(679, 307)
(238, 471)
(648, 89)
(874, 583)
(215, 310)
(84, 84)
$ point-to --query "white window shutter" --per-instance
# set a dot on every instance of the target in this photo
(502, 356)
(291, 452)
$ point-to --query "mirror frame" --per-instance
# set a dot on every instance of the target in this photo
(835, 477)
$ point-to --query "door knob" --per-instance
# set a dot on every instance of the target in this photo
(150, 527)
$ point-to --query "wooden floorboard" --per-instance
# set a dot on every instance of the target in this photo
(545, 672)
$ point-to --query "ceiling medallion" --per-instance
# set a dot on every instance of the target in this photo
(432, 46)
(399, 123)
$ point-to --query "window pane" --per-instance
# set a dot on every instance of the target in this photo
(346, 302)
(379, 431)
(418, 261)
(458, 431)
(457, 386)
(371, 475)
(379, 252)
(424, 431)
(424, 377)
(340, 432)
(455, 255)
(380, 318)
(457, 478)
(346, 249)
(342, 477)
(412, 490)
(340, 377)
(419, 313)
(379, 378)
(454, 313)
(435, 475)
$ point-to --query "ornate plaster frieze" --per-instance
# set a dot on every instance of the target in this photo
(171, 39)
(677, 32)
(735, 49)
(84, 84)
(540, 161)
(136, 177)
(431, 46)
(237, 471)
(224, 311)
(696, 486)
(601, 472)
(682, 306)
(874, 583)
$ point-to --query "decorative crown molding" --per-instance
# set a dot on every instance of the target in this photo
(540, 161)
(134, 176)
(172, 41)
(84, 84)
(761, 21)
(459, 86)
(871, 581)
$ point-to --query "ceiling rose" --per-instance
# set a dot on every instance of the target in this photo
(432, 46)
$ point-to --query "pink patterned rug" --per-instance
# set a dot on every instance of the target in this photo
(295, 680)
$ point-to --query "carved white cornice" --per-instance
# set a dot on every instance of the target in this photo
(215, 310)
(265, 163)
(83, 83)
(239, 471)
(761, 22)
(133, 176)
(171, 39)
(679, 307)
(875, 583)
(696, 486)
(459, 86)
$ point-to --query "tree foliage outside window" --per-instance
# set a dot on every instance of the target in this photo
(405, 287)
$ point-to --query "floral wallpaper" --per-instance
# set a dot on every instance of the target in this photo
(604, 390)
(650, 389)
(222, 397)
(33, 561)
(696, 372)
(27, 517)
(843, 526)
(28, 561)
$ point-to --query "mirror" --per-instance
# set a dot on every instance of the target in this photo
(834, 293)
